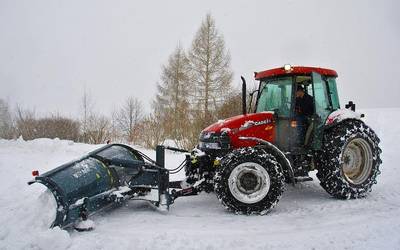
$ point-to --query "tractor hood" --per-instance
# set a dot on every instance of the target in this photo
(240, 122)
(260, 125)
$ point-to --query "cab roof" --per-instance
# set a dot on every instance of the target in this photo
(293, 71)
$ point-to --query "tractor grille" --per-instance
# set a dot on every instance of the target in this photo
(211, 141)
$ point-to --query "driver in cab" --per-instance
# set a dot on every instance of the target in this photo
(304, 109)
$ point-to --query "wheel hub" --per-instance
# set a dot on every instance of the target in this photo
(249, 182)
(357, 161)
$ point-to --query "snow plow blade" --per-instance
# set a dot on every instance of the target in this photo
(105, 177)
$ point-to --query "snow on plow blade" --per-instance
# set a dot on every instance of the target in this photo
(106, 176)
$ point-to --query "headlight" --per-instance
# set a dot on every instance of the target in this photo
(209, 145)
(205, 135)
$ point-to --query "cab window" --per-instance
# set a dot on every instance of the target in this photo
(275, 95)
(333, 93)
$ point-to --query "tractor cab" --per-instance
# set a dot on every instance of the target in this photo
(297, 130)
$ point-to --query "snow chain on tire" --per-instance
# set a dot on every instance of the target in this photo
(232, 172)
(348, 163)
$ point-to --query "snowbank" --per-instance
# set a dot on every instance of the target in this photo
(305, 218)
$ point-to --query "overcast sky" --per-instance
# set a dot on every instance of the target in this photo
(50, 50)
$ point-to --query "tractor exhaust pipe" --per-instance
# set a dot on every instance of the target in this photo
(243, 95)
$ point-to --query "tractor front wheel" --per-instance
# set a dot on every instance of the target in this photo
(249, 181)
(349, 161)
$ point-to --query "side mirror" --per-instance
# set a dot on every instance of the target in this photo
(351, 106)
(243, 95)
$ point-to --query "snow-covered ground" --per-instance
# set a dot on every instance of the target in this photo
(305, 218)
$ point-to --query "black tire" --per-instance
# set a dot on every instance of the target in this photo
(249, 165)
(349, 161)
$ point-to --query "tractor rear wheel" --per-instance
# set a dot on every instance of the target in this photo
(249, 181)
(349, 161)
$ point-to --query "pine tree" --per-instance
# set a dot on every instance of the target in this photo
(210, 69)
(172, 98)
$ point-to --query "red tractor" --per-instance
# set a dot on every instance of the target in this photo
(247, 158)
(297, 127)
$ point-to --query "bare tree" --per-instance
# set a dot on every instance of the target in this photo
(87, 113)
(210, 69)
(151, 131)
(56, 126)
(53, 126)
(99, 128)
(115, 133)
(129, 117)
(5, 120)
(25, 123)
(231, 106)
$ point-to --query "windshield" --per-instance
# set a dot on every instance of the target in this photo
(275, 95)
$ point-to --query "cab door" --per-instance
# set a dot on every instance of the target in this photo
(323, 108)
